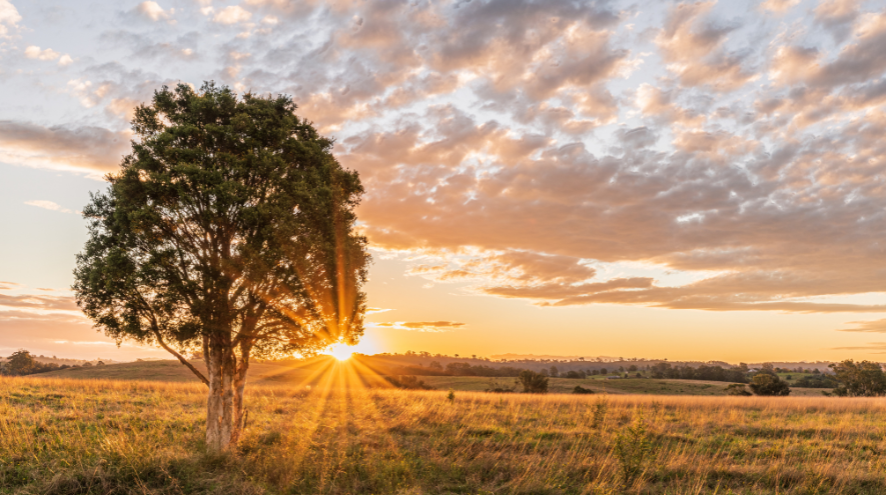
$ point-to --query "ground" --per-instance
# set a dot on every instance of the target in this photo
(64, 436)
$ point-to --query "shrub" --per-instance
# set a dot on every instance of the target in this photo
(817, 381)
(581, 390)
(408, 382)
(632, 449)
(533, 383)
(737, 389)
(766, 384)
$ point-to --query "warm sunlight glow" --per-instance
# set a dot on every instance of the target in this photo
(340, 351)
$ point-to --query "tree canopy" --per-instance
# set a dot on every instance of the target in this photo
(229, 229)
(863, 379)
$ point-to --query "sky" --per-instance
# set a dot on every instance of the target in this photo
(660, 179)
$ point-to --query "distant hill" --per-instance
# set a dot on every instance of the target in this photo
(173, 371)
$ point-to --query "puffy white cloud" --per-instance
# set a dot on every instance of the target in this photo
(36, 53)
(232, 15)
(779, 6)
(9, 18)
(153, 11)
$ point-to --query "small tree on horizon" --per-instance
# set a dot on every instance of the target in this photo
(21, 362)
(228, 231)
(533, 383)
(862, 379)
(766, 384)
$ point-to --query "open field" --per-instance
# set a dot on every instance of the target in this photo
(275, 374)
(169, 370)
(87, 436)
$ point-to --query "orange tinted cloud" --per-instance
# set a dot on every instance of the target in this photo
(422, 326)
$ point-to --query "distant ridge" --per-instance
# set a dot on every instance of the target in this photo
(512, 356)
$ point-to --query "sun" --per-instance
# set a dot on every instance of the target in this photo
(341, 352)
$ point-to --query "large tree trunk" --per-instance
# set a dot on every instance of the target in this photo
(225, 405)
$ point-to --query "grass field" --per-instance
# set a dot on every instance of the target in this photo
(102, 436)
(275, 374)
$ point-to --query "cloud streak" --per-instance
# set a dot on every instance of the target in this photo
(423, 326)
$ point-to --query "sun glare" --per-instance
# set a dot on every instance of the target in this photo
(340, 351)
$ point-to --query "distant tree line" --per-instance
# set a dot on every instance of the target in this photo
(703, 372)
(22, 363)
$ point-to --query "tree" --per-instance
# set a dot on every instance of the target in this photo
(533, 383)
(768, 368)
(766, 384)
(229, 230)
(864, 379)
(21, 362)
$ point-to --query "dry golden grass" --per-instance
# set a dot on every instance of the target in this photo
(80, 436)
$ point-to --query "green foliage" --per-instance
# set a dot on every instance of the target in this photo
(533, 383)
(817, 381)
(230, 222)
(450, 396)
(632, 449)
(737, 389)
(21, 362)
(581, 390)
(864, 379)
(769, 384)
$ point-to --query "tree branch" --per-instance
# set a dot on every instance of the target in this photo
(179, 356)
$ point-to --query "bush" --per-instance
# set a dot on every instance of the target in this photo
(737, 389)
(766, 384)
(632, 448)
(533, 383)
(408, 382)
(581, 390)
(817, 381)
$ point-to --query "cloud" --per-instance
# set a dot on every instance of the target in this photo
(39, 302)
(868, 326)
(693, 48)
(48, 205)
(88, 149)
(837, 16)
(9, 18)
(502, 148)
(232, 15)
(370, 311)
(860, 61)
(36, 53)
(779, 6)
(153, 11)
(880, 347)
(423, 326)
